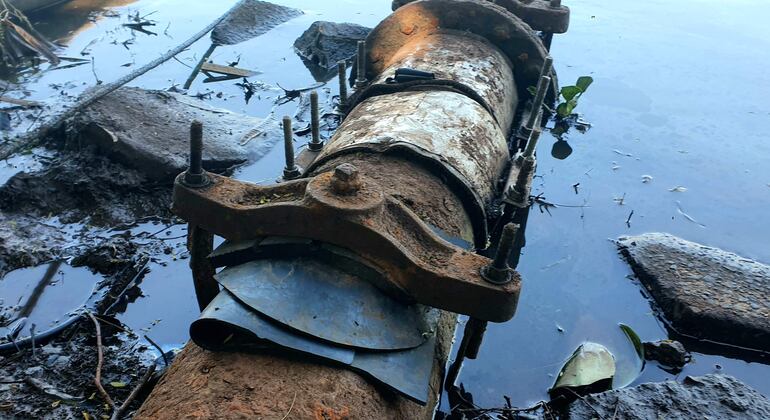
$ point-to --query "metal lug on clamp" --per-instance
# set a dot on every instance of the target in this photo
(194, 176)
(342, 68)
(315, 144)
(498, 271)
(291, 171)
(345, 179)
(361, 69)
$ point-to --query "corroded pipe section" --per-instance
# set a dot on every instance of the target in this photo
(494, 23)
(447, 132)
(467, 59)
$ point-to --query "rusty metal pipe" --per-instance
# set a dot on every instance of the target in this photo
(436, 153)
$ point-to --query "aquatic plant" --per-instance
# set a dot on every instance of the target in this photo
(570, 95)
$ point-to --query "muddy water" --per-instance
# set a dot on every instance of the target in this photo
(678, 96)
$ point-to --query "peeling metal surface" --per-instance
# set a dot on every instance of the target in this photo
(465, 58)
(325, 302)
(449, 128)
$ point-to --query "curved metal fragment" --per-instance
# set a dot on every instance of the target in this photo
(227, 324)
(322, 301)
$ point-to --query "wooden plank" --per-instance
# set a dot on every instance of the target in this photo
(228, 70)
(21, 102)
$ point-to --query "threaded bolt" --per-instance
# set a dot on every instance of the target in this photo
(361, 69)
(537, 103)
(547, 65)
(194, 175)
(342, 68)
(534, 136)
(315, 144)
(498, 271)
(291, 171)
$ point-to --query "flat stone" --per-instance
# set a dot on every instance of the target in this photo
(150, 131)
(323, 44)
(705, 292)
(703, 397)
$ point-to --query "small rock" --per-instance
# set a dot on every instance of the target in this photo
(34, 371)
(323, 44)
(704, 397)
(667, 352)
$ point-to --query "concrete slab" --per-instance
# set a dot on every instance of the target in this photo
(150, 131)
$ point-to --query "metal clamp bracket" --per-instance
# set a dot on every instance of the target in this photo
(352, 212)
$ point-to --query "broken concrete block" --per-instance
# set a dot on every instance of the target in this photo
(150, 131)
(323, 44)
(705, 292)
(703, 397)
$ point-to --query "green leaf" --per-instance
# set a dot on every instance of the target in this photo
(589, 364)
(118, 384)
(635, 340)
(583, 82)
(532, 90)
(570, 92)
(565, 109)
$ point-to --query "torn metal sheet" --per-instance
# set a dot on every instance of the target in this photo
(325, 302)
(227, 324)
(406, 371)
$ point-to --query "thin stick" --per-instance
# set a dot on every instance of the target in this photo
(132, 396)
(162, 353)
(291, 406)
(100, 362)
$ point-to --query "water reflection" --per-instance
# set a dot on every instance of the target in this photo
(73, 17)
(41, 298)
(561, 149)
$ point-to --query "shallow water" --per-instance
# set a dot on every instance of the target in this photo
(46, 295)
(679, 95)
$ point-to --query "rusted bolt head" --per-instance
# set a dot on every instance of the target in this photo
(345, 179)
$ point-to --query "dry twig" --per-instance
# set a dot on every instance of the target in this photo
(100, 362)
